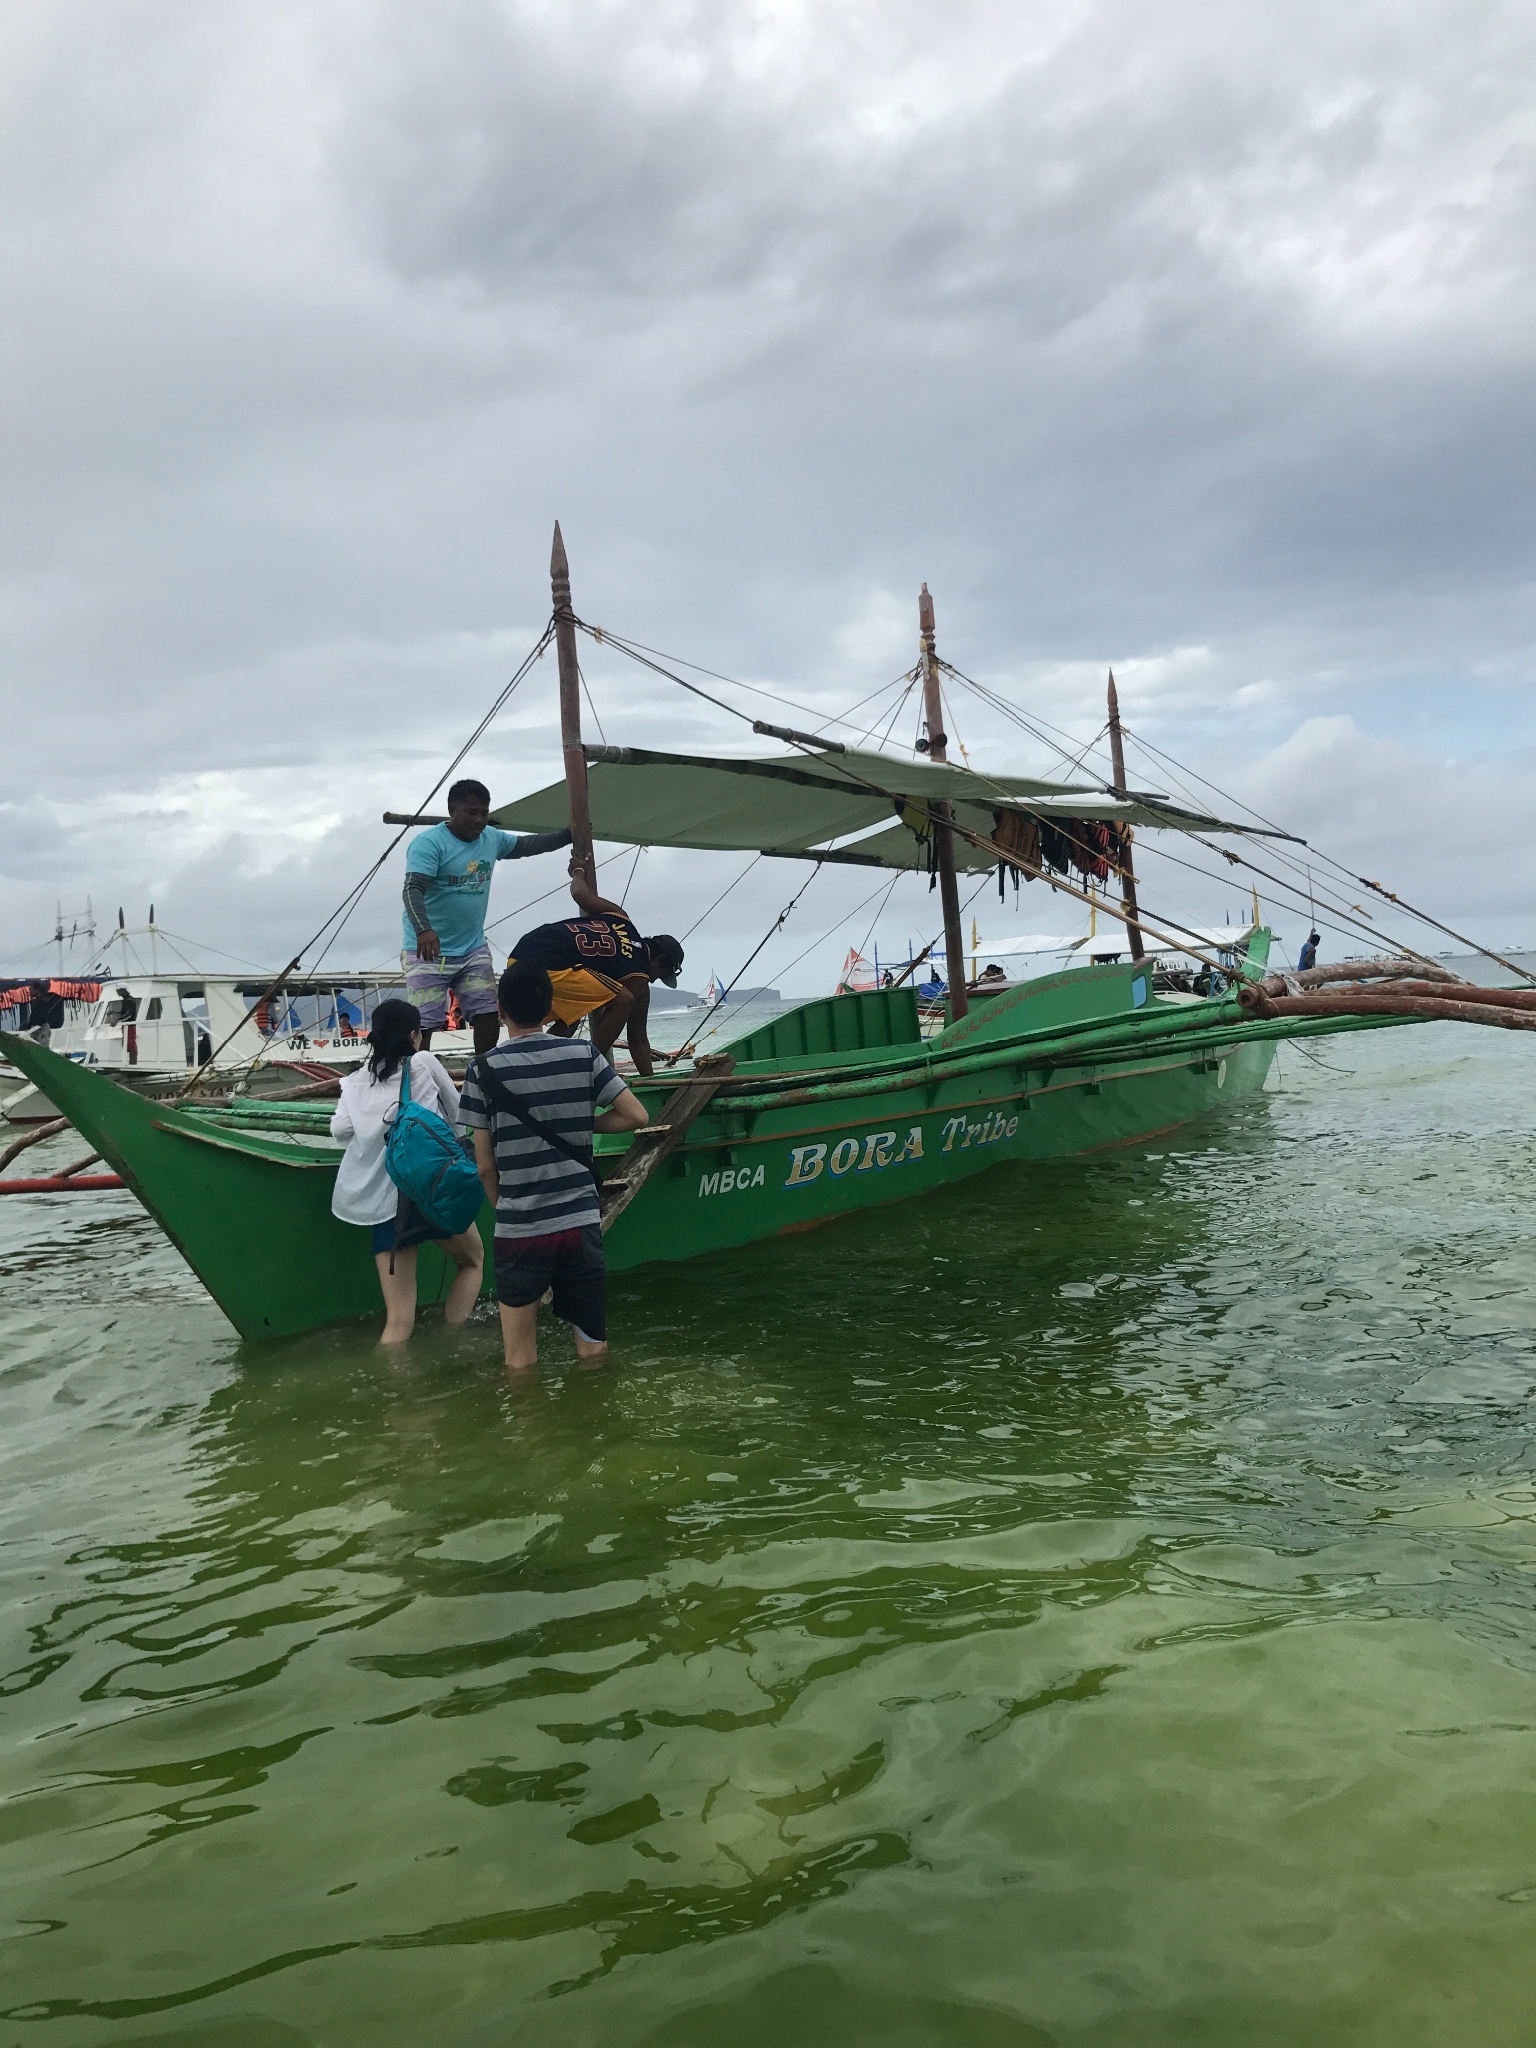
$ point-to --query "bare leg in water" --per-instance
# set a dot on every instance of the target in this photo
(399, 1288)
(520, 1341)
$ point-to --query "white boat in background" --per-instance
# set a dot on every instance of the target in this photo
(151, 1030)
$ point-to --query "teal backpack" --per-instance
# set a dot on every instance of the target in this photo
(426, 1162)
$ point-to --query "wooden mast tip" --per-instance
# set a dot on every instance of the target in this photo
(578, 802)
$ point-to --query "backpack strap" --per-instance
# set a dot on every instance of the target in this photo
(403, 1206)
(501, 1095)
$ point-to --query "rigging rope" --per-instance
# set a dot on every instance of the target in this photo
(908, 676)
(919, 957)
(638, 653)
(533, 902)
(1328, 860)
(669, 1059)
(751, 864)
(836, 764)
(1001, 704)
(859, 949)
(1361, 926)
(822, 937)
(355, 895)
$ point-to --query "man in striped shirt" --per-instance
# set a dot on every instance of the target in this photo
(532, 1160)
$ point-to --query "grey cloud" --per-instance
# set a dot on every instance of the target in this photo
(1131, 334)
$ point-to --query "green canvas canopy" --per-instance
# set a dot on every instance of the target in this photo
(822, 805)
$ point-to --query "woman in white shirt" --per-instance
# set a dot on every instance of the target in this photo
(364, 1192)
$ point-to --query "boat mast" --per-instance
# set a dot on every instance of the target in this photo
(1127, 872)
(940, 812)
(570, 710)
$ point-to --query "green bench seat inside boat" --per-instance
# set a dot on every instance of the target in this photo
(819, 1031)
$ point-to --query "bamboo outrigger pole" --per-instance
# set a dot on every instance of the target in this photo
(941, 814)
(1127, 872)
(570, 710)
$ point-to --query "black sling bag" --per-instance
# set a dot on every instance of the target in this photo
(501, 1095)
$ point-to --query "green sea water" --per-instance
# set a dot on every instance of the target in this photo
(1092, 1606)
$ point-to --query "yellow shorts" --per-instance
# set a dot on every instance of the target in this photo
(579, 991)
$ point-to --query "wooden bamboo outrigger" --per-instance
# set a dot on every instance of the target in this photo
(69, 1180)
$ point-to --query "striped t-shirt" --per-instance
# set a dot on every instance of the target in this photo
(562, 1082)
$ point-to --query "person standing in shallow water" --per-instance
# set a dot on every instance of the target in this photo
(364, 1192)
(534, 1166)
(448, 871)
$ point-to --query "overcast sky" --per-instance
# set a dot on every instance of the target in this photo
(1195, 340)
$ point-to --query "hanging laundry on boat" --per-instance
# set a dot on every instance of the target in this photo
(1016, 833)
(1089, 847)
(1055, 847)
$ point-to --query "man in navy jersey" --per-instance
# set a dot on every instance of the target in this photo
(599, 966)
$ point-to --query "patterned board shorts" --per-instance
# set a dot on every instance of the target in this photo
(471, 976)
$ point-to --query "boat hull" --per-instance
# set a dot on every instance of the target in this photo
(22, 1105)
(252, 1215)
(794, 1171)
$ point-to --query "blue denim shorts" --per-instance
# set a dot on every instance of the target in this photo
(416, 1230)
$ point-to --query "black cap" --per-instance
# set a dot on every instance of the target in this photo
(666, 958)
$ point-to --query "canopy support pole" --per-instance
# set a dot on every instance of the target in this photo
(1127, 871)
(941, 814)
(570, 710)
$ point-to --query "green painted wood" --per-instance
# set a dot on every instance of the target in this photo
(844, 1130)
(260, 1237)
(870, 1020)
(789, 1169)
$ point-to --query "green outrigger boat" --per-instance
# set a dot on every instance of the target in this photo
(836, 1106)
